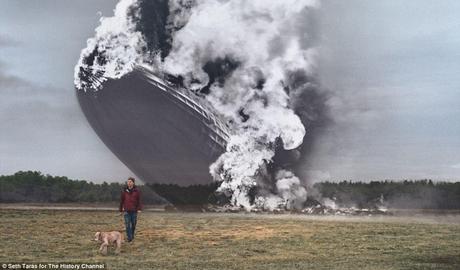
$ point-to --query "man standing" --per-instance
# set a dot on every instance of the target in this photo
(130, 203)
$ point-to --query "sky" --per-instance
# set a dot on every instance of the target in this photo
(390, 66)
(393, 67)
(42, 126)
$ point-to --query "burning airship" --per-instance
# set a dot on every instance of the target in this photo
(164, 134)
(172, 133)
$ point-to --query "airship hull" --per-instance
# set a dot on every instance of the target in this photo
(164, 135)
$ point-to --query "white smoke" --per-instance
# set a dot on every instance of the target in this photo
(289, 193)
(116, 48)
(180, 13)
(329, 203)
(266, 39)
(241, 165)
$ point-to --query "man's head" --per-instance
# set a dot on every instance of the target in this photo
(130, 182)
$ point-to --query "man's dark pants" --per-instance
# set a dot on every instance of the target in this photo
(130, 224)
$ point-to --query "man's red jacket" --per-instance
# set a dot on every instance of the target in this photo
(130, 200)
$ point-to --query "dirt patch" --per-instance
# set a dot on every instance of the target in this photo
(211, 234)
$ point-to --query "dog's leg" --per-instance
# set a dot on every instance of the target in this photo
(103, 248)
(118, 242)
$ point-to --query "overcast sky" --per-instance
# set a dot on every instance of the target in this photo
(42, 127)
(392, 67)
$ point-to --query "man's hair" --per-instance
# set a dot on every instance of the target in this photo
(132, 179)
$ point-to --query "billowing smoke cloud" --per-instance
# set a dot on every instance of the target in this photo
(254, 61)
(288, 192)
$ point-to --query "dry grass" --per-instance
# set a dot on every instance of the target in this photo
(230, 241)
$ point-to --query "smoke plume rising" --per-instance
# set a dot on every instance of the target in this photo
(253, 61)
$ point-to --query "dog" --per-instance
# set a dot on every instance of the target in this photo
(107, 238)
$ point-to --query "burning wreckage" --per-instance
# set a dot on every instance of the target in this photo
(316, 210)
(327, 207)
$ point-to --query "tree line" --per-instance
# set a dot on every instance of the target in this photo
(35, 187)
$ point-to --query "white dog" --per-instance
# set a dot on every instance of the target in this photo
(108, 238)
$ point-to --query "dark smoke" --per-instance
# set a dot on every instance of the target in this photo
(151, 19)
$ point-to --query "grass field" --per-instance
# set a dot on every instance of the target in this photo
(232, 241)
